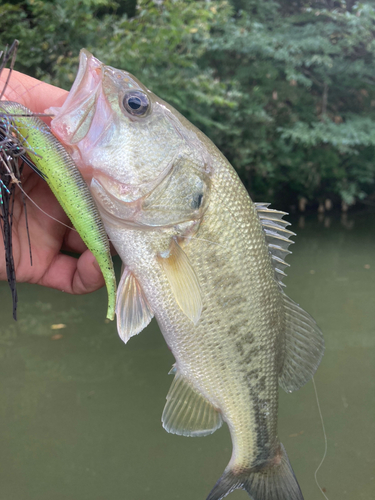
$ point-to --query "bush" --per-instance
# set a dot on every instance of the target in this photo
(284, 88)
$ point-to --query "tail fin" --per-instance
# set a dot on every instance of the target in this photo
(277, 482)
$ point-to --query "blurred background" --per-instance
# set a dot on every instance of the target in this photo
(284, 88)
(286, 91)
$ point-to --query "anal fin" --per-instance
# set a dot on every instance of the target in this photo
(187, 412)
(304, 347)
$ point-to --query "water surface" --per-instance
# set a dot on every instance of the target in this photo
(80, 411)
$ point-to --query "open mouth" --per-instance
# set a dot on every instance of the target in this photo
(74, 118)
(88, 76)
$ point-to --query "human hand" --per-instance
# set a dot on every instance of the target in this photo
(48, 237)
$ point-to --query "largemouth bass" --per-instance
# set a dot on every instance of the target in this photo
(67, 184)
(203, 259)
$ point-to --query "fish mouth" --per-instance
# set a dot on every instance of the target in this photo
(73, 119)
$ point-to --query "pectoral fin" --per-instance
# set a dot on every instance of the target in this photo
(304, 347)
(183, 281)
(187, 412)
(132, 309)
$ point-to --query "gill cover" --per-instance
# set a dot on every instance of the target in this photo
(182, 195)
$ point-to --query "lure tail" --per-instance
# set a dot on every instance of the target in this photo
(271, 482)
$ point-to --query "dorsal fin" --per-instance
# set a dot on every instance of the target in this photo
(277, 237)
(304, 347)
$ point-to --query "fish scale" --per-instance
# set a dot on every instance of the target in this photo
(242, 328)
(206, 262)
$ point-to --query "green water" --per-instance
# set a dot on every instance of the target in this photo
(80, 415)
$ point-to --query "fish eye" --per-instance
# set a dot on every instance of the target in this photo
(136, 103)
(197, 201)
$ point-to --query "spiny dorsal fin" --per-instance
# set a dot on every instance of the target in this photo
(187, 412)
(303, 338)
(277, 237)
(132, 309)
(183, 281)
(304, 345)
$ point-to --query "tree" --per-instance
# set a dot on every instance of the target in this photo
(284, 88)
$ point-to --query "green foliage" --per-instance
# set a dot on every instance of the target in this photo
(285, 88)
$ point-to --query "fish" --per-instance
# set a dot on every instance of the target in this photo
(204, 260)
(53, 163)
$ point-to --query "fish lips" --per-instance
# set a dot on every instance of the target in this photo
(72, 121)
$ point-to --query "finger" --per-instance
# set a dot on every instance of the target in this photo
(32, 93)
(73, 242)
(76, 276)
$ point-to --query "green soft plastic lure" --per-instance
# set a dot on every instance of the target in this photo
(68, 185)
